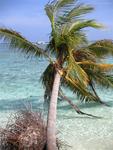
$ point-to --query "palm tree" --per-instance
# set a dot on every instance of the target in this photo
(74, 63)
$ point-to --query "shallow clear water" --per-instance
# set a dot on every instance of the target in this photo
(19, 83)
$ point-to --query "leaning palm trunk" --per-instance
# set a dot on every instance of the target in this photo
(51, 126)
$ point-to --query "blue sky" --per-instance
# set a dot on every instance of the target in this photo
(28, 17)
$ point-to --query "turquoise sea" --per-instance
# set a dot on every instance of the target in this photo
(20, 84)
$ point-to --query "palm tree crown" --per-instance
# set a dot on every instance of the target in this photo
(69, 45)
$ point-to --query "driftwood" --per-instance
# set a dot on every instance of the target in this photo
(27, 132)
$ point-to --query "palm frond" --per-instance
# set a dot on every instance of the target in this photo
(103, 80)
(47, 79)
(102, 48)
(105, 67)
(98, 73)
(52, 8)
(16, 41)
(62, 3)
(75, 70)
(78, 11)
(72, 10)
(95, 93)
(49, 8)
(83, 55)
(78, 25)
(82, 93)
(99, 76)
(94, 65)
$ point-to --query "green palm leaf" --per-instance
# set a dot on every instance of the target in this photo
(72, 10)
(78, 11)
(103, 80)
(50, 13)
(99, 75)
(102, 48)
(78, 25)
(75, 86)
(47, 79)
(62, 3)
(84, 55)
(75, 70)
(16, 41)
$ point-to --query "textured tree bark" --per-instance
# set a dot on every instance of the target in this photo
(51, 125)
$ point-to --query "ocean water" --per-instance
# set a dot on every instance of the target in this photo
(20, 84)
